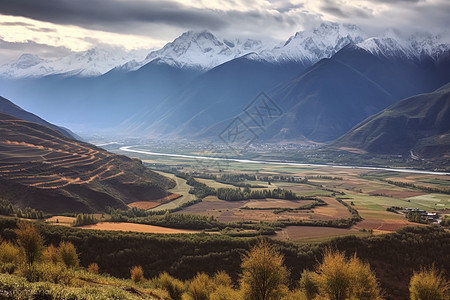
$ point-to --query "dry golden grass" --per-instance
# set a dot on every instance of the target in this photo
(144, 204)
(119, 226)
(153, 204)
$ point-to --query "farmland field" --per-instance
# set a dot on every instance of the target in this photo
(119, 226)
(369, 192)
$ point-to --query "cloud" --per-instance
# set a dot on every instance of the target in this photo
(167, 19)
(10, 51)
(112, 15)
(344, 14)
(151, 23)
(376, 16)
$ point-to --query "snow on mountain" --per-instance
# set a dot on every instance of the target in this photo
(201, 50)
(310, 46)
(389, 45)
(93, 62)
(428, 45)
(417, 46)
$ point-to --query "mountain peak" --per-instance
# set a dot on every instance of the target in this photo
(92, 62)
(202, 50)
(28, 60)
(323, 41)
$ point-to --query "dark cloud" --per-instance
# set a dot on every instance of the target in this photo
(14, 24)
(111, 15)
(164, 20)
(340, 11)
(10, 51)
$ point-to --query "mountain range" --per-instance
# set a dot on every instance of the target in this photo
(325, 81)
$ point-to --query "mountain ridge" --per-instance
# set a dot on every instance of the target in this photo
(202, 50)
(418, 126)
(9, 108)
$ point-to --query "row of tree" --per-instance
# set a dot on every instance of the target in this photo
(85, 219)
(418, 187)
(238, 194)
(7, 209)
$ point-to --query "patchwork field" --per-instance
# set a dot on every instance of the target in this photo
(369, 192)
(181, 188)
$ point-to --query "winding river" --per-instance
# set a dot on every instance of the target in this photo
(128, 149)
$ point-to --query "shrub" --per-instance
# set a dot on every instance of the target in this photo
(172, 285)
(221, 278)
(51, 254)
(93, 268)
(225, 293)
(264, 274)
(308, 284)
(340, 278)
(9, 257)
(68, 254)
(201, 286)
(429, 284)
(56, 273)
(137, 274)
(30, 241)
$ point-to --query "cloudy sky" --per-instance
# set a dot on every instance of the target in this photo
(53, 28)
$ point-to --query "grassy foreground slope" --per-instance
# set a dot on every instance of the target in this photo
(43, 169)
(393, 256)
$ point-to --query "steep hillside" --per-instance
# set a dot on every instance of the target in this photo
(215, 95)
(43, 169)
(418, 127)
(83, 104)
(332, 96)
(7, 107)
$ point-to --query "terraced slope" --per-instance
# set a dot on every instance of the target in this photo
(43, 169)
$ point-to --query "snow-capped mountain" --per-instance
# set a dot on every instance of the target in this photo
(200, 50)
(388, 45)
(416, 47)
(93, 62)
(428, 45)
(312, 45)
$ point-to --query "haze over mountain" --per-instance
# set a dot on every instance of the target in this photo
(9, 108)
(89, 63)
(43, 169)
(194, 83)
(320, 103)
(417, 127)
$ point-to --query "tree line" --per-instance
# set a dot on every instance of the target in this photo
(7, 209)
(230, 194)
(263, 270)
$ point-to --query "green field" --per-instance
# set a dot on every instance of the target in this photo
(365, 190)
